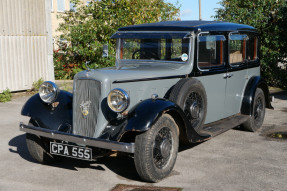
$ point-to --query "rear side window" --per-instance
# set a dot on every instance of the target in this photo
(252, 48)
(210, 51)
(237, 48)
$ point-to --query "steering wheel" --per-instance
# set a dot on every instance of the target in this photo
(150, 53)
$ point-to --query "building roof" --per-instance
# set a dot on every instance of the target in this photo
(188, 26)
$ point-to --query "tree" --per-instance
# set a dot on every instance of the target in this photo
(90, 26)
(270, 19)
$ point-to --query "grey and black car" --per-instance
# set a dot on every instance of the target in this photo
(174, 82)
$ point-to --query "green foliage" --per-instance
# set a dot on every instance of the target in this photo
(89, 27)
(270, 19)
(5, 96)
(36, 84)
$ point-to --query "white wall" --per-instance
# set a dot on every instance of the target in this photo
(26, 53)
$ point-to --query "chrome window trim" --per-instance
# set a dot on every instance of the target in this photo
(239, 63)
(205, 70)
(190, 60)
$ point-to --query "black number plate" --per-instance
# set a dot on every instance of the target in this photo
(72, 151)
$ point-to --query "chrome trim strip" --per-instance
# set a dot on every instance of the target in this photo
(95, 142)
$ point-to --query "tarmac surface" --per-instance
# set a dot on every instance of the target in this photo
(234, 160)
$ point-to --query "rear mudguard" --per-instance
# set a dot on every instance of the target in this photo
(146, 113)
(247, 102)
(45, 115)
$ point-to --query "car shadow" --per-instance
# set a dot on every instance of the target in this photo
(121, 164)
(282, 95)
(19, 143)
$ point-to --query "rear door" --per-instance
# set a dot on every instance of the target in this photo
(237, 74)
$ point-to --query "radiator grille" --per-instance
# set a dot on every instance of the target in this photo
(87, 95)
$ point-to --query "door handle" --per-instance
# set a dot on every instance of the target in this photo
(228, 75)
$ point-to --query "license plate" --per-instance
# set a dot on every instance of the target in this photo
(72, 151)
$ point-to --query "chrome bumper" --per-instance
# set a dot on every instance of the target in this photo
(94, 142)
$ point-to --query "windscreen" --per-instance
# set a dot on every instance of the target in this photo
(172, 47)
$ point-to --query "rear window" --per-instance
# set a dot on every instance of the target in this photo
(237, 48)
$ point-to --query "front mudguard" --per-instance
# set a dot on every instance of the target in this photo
(142, 117)
(46, 116)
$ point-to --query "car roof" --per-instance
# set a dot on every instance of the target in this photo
(189, 26)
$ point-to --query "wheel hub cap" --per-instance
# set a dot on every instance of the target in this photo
(165, 148)
(194, 110)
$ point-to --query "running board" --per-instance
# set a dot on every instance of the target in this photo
(218, 127)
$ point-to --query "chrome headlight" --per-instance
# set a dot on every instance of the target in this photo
(48, 92)
(118, 100)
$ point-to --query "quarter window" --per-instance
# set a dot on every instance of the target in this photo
(252, 48)
(237, 48)
(210, 51)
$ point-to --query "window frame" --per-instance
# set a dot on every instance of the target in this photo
(61, 11)
(223, 53)
(256, 59)
(190, 59)
(244, 62)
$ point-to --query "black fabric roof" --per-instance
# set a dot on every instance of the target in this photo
(188, 26)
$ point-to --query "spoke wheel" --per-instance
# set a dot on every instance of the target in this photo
(256, 120)
(156, 150)
(193, 108)
(162, 147)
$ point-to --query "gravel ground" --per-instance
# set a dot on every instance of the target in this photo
(234, 160)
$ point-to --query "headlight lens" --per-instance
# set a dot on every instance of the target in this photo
(118, 100)
(48, 92)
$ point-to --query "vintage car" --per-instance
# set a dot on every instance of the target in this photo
(173, 82)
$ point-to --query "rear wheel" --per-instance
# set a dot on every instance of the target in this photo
(156, 150)
(257, 118)
(38, 148)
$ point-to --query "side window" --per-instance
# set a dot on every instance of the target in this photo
(252, 48)
(237, 48)
(210, 51)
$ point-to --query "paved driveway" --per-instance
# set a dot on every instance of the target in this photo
(235, 160)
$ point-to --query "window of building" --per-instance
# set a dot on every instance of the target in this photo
(237, 48)
(61, 5)
(72, 7)
(210, 51)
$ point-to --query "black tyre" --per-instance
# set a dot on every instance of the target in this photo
(156, 150)
(256, 120)
(38, 148)
(190, 95)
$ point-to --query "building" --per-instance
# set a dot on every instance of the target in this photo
(26, 52)
(59, 7)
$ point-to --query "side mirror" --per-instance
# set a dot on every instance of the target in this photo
(105, 50)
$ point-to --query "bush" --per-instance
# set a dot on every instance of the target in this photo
(270, 19)
(5, 96)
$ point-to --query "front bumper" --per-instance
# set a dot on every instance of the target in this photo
(94, 142)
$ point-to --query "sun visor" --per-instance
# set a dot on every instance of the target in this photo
(151, 35)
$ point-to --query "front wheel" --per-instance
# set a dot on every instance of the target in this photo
(257, 118)
(38, 148)
(156, 150)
